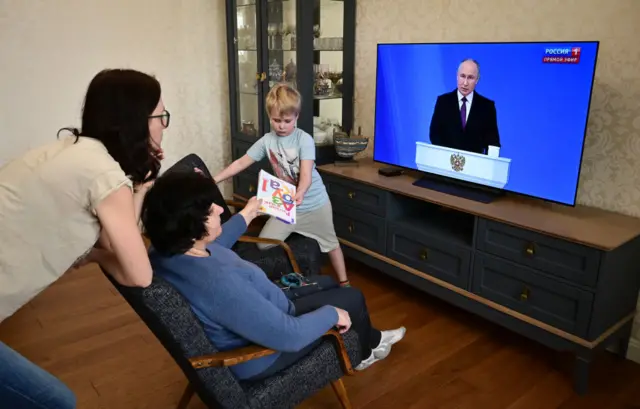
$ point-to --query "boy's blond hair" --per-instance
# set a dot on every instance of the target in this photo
(283, 99)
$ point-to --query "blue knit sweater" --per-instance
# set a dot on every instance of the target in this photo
(237, 303)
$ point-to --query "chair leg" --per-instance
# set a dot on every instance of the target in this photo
(341, 393)
(186, 397)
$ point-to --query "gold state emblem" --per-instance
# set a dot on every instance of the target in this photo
(457, 162)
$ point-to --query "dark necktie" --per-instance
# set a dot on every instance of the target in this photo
(463, 112)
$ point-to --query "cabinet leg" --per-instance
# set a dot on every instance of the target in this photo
(623, 341)
(581, 373)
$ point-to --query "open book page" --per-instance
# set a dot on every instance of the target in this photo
(277, 197)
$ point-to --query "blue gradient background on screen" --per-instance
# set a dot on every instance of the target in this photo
(542, 108)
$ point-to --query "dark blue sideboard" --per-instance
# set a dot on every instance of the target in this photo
(565, 277)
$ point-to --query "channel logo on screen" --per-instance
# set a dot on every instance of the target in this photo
(561, 55)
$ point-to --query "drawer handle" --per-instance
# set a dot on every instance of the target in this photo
(252, 188)
(350, 227)
(423, 255)
(524, 295)
(351, 195)
(530, 250)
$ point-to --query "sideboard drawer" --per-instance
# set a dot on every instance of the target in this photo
(522, 289)
(426, 253)
(358, 195)
(574, 262)
(360, 228)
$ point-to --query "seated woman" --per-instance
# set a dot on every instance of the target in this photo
(233, 298)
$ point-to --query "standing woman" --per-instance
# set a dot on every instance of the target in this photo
(73, 201)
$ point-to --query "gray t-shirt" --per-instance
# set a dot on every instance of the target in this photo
(285, 153)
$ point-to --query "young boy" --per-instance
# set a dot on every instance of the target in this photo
(292, 155)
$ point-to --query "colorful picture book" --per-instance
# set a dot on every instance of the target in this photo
(277, 197)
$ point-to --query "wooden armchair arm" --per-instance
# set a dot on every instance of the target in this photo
(240, 355)
(231, 357)
(343, 356)
(285, 246)
(235, 203)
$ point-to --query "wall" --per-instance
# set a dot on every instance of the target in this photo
(50, 50)
(611, 165)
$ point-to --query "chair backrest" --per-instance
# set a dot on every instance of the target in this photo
(187, 164)
(171, 320)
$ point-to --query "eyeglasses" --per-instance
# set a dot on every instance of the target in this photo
(165, 118)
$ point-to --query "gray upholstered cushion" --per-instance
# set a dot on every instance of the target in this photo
(170, 318)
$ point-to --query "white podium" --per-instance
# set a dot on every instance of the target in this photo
(468, 166)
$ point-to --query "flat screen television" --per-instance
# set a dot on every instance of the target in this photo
(506, 117)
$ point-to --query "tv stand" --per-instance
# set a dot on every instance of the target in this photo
(565, 277)
(477, 194)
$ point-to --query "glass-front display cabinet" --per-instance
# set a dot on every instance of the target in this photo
(309, 44)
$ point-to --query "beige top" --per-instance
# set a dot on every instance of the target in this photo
(48, 198)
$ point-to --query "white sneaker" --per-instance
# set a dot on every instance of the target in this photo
(383, 349)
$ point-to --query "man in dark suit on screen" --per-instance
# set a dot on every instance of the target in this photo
(463, 119)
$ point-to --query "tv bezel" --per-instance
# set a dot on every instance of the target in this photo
(475, 185)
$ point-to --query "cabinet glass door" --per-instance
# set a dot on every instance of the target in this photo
(328, 35)
(248, 77)
(281, 46)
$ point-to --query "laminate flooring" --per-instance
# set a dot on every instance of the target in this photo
(81, 330)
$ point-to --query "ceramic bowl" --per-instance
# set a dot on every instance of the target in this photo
(347, 147)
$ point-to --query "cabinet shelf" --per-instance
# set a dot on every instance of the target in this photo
(432, 220)
(323, 97)
(272, 41)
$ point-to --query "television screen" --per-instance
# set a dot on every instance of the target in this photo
(511, 116)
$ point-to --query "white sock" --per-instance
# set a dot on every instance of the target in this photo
(387, 339)
(391, 336)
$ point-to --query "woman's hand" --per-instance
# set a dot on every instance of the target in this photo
(344, 320)
(89, 257)
(298, 197)
(156, 150)
(250, 210)
(140, 191)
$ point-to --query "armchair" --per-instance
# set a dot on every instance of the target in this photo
(274, 261)
(171, 320)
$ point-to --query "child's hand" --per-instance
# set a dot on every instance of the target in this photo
(298, 198)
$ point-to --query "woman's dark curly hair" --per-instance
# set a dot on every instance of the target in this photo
(116, 112)
(175, 210)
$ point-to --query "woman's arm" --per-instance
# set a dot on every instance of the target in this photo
(242, 309)
(236, 226)
(127, 261)
(138, 198)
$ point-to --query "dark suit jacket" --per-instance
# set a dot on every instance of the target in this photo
(480, 132)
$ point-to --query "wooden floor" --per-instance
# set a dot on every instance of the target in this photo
(81, 330)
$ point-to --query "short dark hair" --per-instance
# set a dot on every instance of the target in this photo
(175, 210)
(116, 112)
(473, 61)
